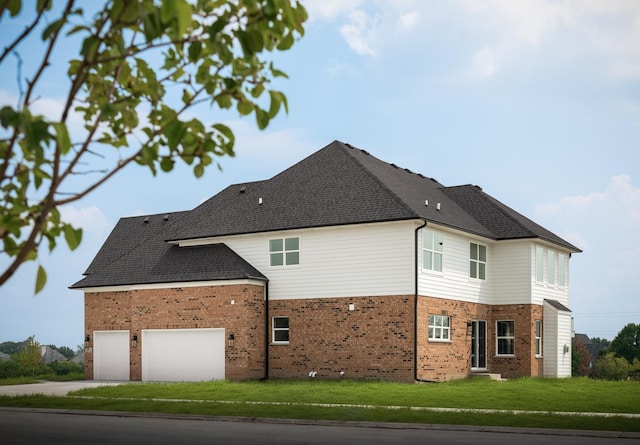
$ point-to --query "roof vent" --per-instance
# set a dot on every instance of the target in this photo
(426, 202)
(166, 217)
(394, 166)
(438, 206)
(259, 200)
(146, 220)
(243, 189)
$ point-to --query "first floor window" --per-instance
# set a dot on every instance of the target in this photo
(280, 330)
(505, 337)
(478, 261)
(284, 251)
(538, 337)
(439, 327)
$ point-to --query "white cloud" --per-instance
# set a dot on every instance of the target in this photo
(484, 63)
(88, 218)
(409, 20)
(359, 32)
(330, 9)
(605, 224)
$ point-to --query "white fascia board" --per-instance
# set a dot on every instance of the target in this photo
(128, 287)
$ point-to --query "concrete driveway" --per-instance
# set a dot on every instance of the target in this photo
(52, 388)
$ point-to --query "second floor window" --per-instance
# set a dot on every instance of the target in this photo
(432, 250)
(284, 251)
(478, 261)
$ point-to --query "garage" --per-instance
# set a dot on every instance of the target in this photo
(183, 355)
(111, 355)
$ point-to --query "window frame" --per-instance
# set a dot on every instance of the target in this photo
(511, 339)
(551, 267)
(283, 252)
(275, 329)
(433, 328)
(539, 272)
(538, 337)
(475, 264)
(434, 250)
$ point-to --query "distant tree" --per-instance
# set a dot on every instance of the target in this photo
(29, 358)
(602, 344)
(139, 69)
(11, 347)
(610, 367)
(627, 343)
(580, 359)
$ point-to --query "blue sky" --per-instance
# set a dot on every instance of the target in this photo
(537, 102)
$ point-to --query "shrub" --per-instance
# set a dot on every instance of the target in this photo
(610, 367)
(65, 368)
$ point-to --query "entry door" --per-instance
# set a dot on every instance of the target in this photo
(478, 344)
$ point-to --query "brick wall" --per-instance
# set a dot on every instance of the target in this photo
(440, 361)
(374, 340)
(238, 308)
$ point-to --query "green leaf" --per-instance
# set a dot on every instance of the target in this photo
(41, 279)
(14, 7)
(262, 118)
(72, 236)
(216, 27)
(62, 137)
(174, 131)
(245, 107)
(198, 170)
(183, 14)
(167, 10)
(195, 49)
(166, 164)
(277, 99)
(51, 29)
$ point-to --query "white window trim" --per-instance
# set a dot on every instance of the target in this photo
(284, 253)
(274, 329)
(513, 354)
(433, 251)
(538, 337)
(443, 329)
(478, 262)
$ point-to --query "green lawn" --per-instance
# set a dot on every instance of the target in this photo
(376, 401)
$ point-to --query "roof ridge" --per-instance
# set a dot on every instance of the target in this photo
(375, 177)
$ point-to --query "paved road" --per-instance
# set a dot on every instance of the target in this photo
(30, 426)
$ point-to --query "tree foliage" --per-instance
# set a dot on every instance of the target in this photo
(580, 359)
(141, 67)
(627, 343)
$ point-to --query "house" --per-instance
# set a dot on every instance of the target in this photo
(341, 265)
(50, 355)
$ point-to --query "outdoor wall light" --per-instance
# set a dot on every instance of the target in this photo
(231, 339)
(565, 348)
(87, 341)
(134, 341)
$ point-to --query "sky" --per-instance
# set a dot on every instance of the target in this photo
(536, 101)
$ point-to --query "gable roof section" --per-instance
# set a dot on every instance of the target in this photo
(341, 185)
(502, 221)
(135, 253)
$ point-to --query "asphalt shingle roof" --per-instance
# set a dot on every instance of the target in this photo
(337, 185)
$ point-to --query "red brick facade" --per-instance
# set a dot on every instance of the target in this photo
(364, 337)
(237, 308)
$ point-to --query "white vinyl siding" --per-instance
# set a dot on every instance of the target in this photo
(454, 282)
(343, 261)
(554, 264)
(556, 331)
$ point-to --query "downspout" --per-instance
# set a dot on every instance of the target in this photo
(415, 303)
(266, 330)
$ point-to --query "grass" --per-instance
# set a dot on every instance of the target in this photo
(385, 402)
(25, 380)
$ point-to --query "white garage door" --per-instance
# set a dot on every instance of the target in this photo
(111, 355)
(182, 355)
